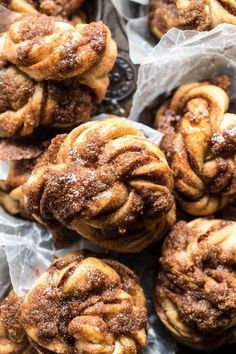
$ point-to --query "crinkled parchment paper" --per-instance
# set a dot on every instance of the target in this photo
(182, 57)
(141, 40)
(4, 169)
(27, 249)
(143, 44)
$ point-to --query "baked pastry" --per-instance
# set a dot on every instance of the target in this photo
(64, 8)
(11, 197)
(80, 66)
(20, 102)
(200, 15)
(22, 156)
(200, 140)
(46, 48)
(83, 304)
(195, 295)
(26, 104)
(13, 339)
(106, 181)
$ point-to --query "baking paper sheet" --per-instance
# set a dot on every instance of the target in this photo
(182, 57)
(4, 169)
(141, 40)
(143, 44)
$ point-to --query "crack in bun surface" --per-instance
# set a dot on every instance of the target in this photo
(83, 304)
(195, 295)
(200, 141)
(200, 15)
(106, 181)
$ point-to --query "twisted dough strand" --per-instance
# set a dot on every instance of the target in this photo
(196, 287)
(85, 304)
(64, 8)
(107, 182)
(12, 337)
(198, 15)
(20, 102)
(11, 196)
(21, 155)
(48, 48)
(26, 104)
(222, 11)
(201, 142)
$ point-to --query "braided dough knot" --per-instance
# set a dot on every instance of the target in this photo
(106, 181)
(196, 287)
(49, 48)
(86, 304)
(200, 137)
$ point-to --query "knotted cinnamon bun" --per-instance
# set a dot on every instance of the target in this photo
(197, 15)
(26, 104)
(64, 8)
(47, 48)
(196, 288)
(13, 339)
(106, 181)
(200, 139)
(83, 304)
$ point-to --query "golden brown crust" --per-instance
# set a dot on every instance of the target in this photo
(197, 15)
(64, 8)
(20, 102)
(88, 305)
(47, 48)
(11, 196)
(200, 139)
(106, 181)
(22, 149)
(25, 104)
(22, 156)
(196, 287)
(12, 336)
(67, 103)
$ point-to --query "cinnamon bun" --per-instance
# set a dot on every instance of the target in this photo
(200, 15)
(200, 140)
(47, 47)
(195, 295)
(64, 8)
(26, 104)
(107, 182)
(87, 305)
(13, 339)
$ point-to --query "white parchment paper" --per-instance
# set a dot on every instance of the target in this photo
(141, 40)
(130, 8)
(182, 57)
(4, 169)
(26, 250)
(142, 43)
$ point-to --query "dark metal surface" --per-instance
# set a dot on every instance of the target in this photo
(124, 75)
(122, 80)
